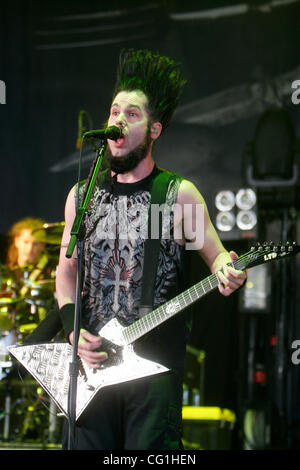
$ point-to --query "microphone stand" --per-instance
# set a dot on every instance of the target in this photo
(77, 237)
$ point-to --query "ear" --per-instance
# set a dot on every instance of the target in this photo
(155, 130)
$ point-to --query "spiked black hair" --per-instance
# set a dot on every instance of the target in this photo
(158, 77)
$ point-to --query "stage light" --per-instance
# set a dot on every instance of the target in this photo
(236, 213)
(245, 199)
(246, 220)
(225, 200)
(225, 221)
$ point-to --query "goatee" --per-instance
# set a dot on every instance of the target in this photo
(130, 161)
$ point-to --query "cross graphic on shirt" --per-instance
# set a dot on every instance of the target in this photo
(116, 274)
(118, 283)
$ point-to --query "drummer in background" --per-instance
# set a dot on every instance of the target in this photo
(25, 250)
(29, 263)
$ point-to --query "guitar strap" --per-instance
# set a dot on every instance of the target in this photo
(158, 193)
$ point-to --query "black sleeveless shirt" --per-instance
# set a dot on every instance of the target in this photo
(115, 229)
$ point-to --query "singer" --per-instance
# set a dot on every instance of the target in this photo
(144, 413)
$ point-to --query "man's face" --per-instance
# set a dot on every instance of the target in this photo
(128, 111)
(29, 249)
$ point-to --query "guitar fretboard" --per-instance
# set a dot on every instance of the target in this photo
(174, 306)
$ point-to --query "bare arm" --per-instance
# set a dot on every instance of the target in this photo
(66, 289)
(67, 267)
(199, 229)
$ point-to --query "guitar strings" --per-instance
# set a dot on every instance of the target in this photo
(154, 318)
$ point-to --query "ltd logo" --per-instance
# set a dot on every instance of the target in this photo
(270, 256)
(296, 93)
(2, 92)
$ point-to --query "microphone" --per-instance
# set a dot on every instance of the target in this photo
(112, 132)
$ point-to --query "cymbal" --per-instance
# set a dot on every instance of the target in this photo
(50, 233)
(8, 300)
(42, 284)
(27, 328)
(39, 291)
(6, 322)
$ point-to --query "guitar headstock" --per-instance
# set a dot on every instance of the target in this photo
(268, 251)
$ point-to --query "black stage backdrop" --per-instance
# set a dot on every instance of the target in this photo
(58, 58)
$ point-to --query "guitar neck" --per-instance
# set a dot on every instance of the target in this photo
(174, 306)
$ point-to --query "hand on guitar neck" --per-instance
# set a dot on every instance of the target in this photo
(230, 278)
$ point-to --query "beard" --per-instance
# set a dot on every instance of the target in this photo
(130, 161)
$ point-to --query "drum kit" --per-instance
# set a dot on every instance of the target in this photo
(24, 302)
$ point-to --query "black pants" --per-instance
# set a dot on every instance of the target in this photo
(144, 414)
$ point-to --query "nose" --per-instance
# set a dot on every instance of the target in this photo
(120, 121)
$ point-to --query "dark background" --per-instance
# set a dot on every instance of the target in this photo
(58, 58)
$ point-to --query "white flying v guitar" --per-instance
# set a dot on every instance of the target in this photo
(48, 363)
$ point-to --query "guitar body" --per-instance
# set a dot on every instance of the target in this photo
(49, 363)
